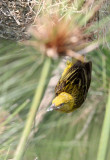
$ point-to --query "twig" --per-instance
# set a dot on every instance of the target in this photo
(89, 48)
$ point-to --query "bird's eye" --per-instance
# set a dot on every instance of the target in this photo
(61, 104)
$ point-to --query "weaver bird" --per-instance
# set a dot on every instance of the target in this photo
(71, 90)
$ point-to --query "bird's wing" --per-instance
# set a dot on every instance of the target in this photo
(88, 67)
(78, 74)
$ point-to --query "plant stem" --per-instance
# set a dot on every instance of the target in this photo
(104, 76)
(105, 132)
(35, 104)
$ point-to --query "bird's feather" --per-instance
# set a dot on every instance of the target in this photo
(76, 81)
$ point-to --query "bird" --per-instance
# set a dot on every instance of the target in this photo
(72, 88)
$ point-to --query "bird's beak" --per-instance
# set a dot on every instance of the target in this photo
(51, 108)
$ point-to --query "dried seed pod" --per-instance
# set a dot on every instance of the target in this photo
(55, 37)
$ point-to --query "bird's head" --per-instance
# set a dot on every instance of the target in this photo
(64, 102)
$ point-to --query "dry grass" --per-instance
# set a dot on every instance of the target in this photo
(15, 17)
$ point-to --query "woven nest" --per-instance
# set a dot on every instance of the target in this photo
(15, 17)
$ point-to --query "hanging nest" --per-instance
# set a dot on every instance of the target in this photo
(15, 17)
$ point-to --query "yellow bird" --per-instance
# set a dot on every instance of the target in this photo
(71, 90)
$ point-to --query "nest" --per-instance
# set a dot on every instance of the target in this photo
(15, 17)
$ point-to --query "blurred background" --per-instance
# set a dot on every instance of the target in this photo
(54, 135)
